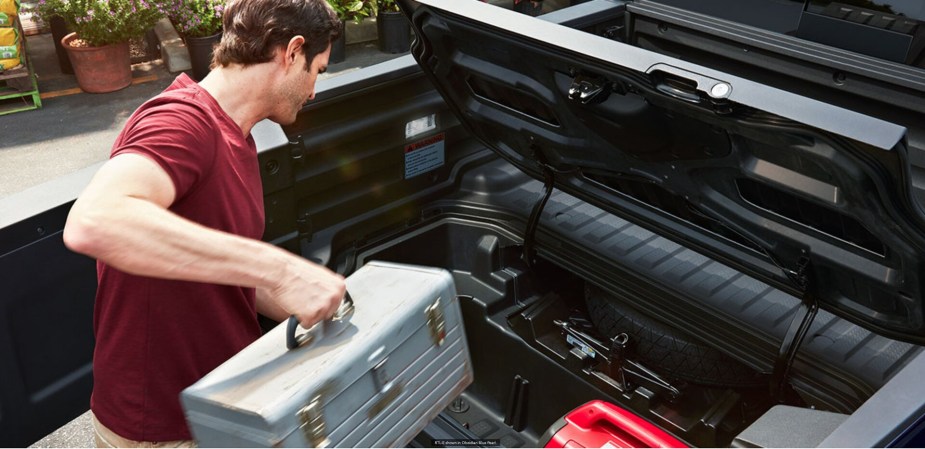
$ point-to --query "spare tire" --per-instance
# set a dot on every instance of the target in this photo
(665, 350)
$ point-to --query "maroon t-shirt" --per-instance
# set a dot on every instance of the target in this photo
(155, 337)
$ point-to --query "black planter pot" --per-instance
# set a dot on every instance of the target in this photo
(200, 53)
(58, 31)
(339, 47)
(394, 32)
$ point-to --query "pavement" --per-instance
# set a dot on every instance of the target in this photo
(73, 130)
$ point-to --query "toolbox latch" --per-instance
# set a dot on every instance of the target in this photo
(436, 322)
(313, 425)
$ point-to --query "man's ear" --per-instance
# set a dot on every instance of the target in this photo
(293, 48)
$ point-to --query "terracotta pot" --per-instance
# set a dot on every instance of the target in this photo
(200, 53)
(100, 69)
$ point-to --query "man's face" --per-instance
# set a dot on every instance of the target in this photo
(299, 87)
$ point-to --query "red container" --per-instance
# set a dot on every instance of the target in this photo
(602, 424)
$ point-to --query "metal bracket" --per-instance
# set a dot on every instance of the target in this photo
(624, 371)
(436, 323)
(589, 90)
(313, 426)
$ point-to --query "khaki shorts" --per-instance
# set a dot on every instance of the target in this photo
(108, 438)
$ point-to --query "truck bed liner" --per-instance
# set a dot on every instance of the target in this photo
(843, 352)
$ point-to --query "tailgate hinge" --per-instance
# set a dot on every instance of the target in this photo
(303, 220)
(303, 223)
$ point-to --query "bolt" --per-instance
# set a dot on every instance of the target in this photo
(272, 167)
(459, 405)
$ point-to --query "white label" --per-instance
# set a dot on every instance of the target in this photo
(583, 347)
(420, 126)
(609, 445)
(424, 156)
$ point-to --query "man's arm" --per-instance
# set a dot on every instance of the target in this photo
(122, 219)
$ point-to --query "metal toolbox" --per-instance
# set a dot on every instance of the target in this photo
(398, 361)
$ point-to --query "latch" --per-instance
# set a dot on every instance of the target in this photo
(589, 90)
(313, 426)
(436, 322)
(389, 390)
(380, 377)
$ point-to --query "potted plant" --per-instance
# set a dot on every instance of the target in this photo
(393, 28)
(199, 22)
(98, 48)
(355, 10)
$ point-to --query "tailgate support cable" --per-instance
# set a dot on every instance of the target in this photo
(799, 328)
(549, 179)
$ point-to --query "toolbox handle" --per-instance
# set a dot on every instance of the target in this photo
(334, 326)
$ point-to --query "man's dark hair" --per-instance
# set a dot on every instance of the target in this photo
(254, 29)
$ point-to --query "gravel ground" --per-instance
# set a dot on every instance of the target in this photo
(77, 433)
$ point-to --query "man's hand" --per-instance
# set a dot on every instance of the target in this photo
(309, 291)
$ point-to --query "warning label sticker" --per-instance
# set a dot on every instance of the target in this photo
(424, 156)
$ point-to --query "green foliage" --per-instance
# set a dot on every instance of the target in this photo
(102, 22)
(388, 6)
(195, 18)
(355, 10)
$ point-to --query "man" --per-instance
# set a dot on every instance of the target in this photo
(174, 219)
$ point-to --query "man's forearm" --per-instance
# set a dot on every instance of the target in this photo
(139, 237)
(268, 308)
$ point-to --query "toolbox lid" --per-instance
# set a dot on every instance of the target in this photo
(810, 197)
